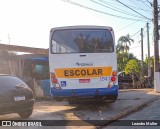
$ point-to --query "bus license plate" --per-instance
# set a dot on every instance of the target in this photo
(84, 80)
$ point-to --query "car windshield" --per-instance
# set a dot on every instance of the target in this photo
(11, 81)
(82, 41)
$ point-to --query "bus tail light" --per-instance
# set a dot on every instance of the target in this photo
(113, 79)
(54, 81)
(114, 73)
(53, 75)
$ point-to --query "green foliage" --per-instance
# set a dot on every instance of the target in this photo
(119, 48)
(122, 51)
(151, 61)
(123, 58)
(133, 66)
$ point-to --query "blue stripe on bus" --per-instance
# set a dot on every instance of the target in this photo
(85, 92)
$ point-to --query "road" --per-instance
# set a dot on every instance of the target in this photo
(127, 102)
(151, 112)
(48, 110)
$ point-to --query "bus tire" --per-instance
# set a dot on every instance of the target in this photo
(71, 102)
(58, 99)
(113, 99)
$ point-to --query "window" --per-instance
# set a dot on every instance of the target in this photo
(82, 41)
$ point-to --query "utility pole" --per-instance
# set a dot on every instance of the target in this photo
(142, 74)
(156, 47)
(149, 60)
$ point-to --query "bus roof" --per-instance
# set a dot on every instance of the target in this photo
(82, 26)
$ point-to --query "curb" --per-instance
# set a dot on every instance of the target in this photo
(126, 112)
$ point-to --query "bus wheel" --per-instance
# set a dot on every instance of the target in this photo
(111, 99)
(71, 102)
(58, 99)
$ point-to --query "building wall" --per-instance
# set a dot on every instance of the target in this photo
(16, 65)
(4, 67)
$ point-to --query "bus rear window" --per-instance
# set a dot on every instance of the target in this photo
(82, 41)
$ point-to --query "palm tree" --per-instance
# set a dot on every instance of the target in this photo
(119, 48)
(124, 42)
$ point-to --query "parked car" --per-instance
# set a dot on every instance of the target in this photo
(126, 79)
(15, 96)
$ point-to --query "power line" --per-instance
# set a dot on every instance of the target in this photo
(136, 4)
(135, 33)
(126, 26)
(135, 7)
(82, 6)
(132, 9)
(144, 2)
(117, 5)
(118, 10)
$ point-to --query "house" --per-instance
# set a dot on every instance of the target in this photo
(32, 68)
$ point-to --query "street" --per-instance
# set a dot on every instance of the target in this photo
(75, 52)
(151, 112)
(128, 102)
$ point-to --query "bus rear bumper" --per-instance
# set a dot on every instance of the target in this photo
(82, 93)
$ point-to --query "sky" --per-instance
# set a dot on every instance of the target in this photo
(28, 22)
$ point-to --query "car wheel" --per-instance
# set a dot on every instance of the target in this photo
(26, 113)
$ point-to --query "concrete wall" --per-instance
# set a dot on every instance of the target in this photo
(4, 67)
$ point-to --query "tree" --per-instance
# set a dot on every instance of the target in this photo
(133, 66)
(123, 43)
(119, 48)
(123, 58)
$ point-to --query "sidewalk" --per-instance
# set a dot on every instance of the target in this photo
(129, 101)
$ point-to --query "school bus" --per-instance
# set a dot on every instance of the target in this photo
(83, 63)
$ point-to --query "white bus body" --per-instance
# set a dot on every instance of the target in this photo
(83, 63)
